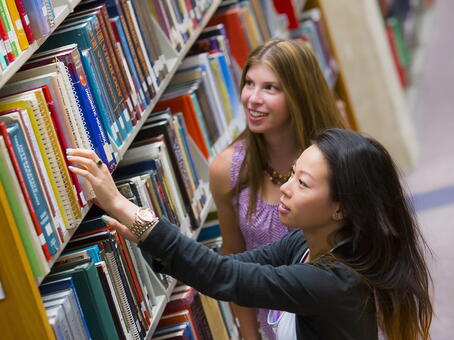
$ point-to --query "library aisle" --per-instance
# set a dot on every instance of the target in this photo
(432, 181)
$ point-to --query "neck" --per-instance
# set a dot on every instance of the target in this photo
(282, 150)
(318, 240)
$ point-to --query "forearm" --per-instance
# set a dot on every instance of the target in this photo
(247, 317)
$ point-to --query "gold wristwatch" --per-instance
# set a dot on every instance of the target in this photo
(144, 219)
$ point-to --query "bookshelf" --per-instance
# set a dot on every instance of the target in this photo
(23, 314)
(368, 81)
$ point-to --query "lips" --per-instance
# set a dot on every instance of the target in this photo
(283, 208)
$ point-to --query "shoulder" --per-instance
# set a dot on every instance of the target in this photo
(220, 170)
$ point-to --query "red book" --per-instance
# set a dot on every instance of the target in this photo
(235, 30)
(23, 186)
(185, 105)
(25, 21)
(4, 36)
(286, 7)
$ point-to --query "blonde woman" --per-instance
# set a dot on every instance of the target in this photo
(286, 101)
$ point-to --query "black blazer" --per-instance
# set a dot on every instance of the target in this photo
(329, 300)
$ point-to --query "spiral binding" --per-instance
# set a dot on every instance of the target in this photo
(122, 295)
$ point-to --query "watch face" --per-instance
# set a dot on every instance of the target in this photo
(146, 215)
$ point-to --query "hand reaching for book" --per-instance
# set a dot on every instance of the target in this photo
(88, 165)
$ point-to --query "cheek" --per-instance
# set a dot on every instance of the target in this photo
(244, 95)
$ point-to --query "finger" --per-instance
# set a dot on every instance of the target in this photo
(84, 173)
(121, 228)
(83, 153)
(91, 165)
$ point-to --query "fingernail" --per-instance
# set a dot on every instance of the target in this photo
(105, 218)
(69, 151)
(71, 167)
(69, 157)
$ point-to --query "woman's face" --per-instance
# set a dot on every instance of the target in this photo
(305, 201)
(264, 101)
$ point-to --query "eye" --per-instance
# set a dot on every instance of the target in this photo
(248, 82)
(302, 183)
(272, 88)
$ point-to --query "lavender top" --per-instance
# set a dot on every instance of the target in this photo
(264, 226)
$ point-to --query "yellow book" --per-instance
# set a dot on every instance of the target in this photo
(17, 24)
(22, 300)
(214, 318)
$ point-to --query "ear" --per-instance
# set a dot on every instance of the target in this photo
(338, 215)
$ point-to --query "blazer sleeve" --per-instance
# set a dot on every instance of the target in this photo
(304, 289)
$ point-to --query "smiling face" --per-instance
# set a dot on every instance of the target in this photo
(305, 201)
(264, 100)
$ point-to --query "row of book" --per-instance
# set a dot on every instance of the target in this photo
(21, 22)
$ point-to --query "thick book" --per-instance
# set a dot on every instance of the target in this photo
(17, 24)
(92, 298)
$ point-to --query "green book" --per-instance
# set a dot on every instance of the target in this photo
(91, 295)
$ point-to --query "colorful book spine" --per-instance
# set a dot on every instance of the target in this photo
(17, 24)
(25, 21)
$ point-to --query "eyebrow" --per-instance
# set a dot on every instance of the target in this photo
(302, 171)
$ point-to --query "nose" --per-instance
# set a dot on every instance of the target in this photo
(285, 188)
(255, 97)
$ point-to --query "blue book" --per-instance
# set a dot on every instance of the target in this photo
(38, 200)
(228, 80)
(98, 96)
(61, 285)
(144, 95)
(92, 251)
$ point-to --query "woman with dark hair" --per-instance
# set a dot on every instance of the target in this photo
(358, 267)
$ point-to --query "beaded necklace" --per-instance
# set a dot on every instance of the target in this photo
(276, 177)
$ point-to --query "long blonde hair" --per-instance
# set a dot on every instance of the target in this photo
(310, 102)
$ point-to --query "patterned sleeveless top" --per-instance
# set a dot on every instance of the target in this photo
(262, 228)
